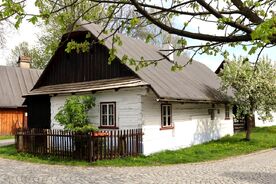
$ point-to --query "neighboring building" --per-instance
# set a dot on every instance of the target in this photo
(174, 109)
(14, 82)
(260, 123)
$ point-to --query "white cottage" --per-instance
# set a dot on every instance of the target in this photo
(174, 109)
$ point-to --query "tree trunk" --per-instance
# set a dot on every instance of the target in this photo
(248, 127)
(249, 122)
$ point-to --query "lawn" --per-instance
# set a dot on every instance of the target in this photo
(3, 137)
(262, 138)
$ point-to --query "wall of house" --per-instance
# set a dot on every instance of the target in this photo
(128, 107)
(192, 125)
(261, 123)
(137, 107)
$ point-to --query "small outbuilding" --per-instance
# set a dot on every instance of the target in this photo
(14, 82)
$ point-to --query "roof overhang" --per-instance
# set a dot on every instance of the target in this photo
(90, 86)
(191, 101)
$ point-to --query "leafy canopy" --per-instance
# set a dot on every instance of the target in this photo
(254, 86)
(204, 27)
(74, 114)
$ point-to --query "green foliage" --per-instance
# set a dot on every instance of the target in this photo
(263, 138)
(265, 31)
(73, 115)
(78, 47)
(254, 86)
(253, 19)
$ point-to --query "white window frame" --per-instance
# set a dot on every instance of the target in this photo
(227, 112)
(167, 116)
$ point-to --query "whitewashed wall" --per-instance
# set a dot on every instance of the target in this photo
(261, 123)
(128, 107)
(192, 125)
(137, 107)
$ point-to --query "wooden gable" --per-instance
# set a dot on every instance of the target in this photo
(80, 67)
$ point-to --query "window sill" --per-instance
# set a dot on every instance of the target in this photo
(108, 127)
(167, 128)
(227, 118)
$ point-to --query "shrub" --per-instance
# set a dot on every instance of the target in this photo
(74, 114)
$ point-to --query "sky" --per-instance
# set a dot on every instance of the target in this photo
(29, 33)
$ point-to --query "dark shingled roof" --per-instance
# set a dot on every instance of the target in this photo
(14, 82)
(196, 82)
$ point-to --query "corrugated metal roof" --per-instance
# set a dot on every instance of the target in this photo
(194, 82)
(89, 86)
(14, 83)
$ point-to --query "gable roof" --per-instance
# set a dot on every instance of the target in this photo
(196, 82)
(14, 82)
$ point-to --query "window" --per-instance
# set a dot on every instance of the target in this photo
(108, 114)
(166, 115)
(227, 112)
(212, 112)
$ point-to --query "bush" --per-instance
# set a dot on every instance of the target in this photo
(74, 114)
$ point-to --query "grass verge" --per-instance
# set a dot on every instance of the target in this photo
(262, 138)
(4, 137)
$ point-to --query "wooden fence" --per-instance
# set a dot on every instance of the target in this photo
(90, 146)
(239, 124)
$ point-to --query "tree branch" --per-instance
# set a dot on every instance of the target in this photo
(198, 36)
(253, 17)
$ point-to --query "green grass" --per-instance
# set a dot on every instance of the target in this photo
(3, 137)
(262, 138)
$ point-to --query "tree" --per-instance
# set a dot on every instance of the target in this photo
(52, 30)
(20, 50)
(249, 23)
(38, 59)
(254, 88)
(74, 114)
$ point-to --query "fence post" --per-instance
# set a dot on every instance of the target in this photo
(89, 146)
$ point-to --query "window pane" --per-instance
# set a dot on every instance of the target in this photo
(104, 109)
(164, 110)
(212, 114)
(227, 111)
(111, 122)
(169, 120)
(110, 107)
(168, 110)
(164, 121)
(104, 120)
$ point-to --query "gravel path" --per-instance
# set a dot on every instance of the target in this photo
(258, 168)
(6, 142)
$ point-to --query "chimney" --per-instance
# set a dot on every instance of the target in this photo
(24, 61)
